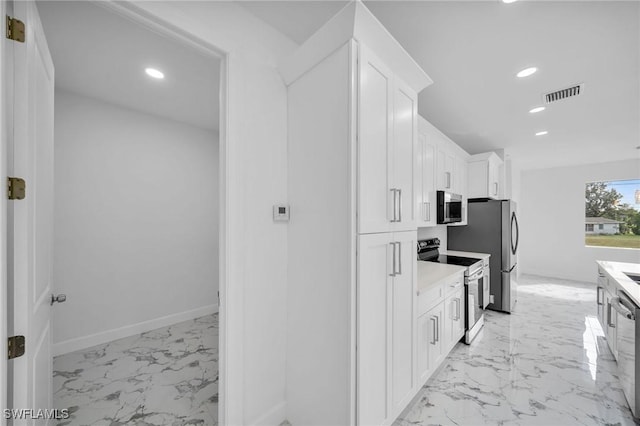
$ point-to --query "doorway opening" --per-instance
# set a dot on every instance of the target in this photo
(139, 191)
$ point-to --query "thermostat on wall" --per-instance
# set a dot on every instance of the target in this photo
(281, 213)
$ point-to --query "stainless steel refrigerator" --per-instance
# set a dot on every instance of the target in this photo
(492, 227)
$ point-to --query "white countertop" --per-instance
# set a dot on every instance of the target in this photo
(431, 273)
(616, 270)
(466, 254)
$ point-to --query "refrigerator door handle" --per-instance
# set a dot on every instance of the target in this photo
(514, 222)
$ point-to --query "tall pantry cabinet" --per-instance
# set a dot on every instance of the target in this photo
(351, 300)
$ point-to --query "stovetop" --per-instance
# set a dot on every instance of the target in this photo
(456, 260)
(428, 251)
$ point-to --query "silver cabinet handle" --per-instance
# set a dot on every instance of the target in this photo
(457, 300)
(609, 316)
(399, 272)
(448, 176)
(434, 329)
(58, 299)
(495, 188)
(394, 218)
(437, 329)
(393, 257)
(598, 300)
(399, 205)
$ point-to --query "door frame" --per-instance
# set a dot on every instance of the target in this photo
(144, 19)
(4, 139)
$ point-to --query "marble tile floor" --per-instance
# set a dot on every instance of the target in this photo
(545, 364)
(165, 377)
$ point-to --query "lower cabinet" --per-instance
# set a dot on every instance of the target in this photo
(440, 324)
(386, 372)
(454, 323)
(606, 314)
(430, 348)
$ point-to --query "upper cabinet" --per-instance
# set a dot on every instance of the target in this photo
(486, 176)
(386, 148)
(425, 187)
(441, 166)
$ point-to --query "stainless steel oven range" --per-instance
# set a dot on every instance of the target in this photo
(473, 283)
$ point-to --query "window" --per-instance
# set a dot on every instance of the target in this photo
(612, 214)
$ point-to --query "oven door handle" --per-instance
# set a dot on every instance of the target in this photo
(622, 310)
(477, 275)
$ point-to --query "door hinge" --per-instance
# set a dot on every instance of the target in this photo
(16, 188)
(16, 347)
(15, 29)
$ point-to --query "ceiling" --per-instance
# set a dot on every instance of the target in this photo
(473, 50)
(103, 55)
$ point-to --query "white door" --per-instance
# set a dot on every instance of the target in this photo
(403, 337)
(405, 126)
(377, 199)
(30, 220)
(375, 267)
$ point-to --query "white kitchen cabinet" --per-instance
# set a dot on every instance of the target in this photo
(606, 290)
(387, 149)
(445, 160)
(426, 174)
(442, 166)
(352, 150)
(440, 323)
(386, 314)
(611, 320)
(485, 178)
(430, 347)
(454, 313)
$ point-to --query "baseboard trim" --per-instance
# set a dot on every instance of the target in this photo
(273, 417)
(85, 342)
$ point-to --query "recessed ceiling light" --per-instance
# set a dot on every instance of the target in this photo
(527, 72)
(542, 133)
(152, 72)
(537, 109)
(509, 1)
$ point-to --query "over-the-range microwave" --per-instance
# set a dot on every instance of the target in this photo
(449, 207)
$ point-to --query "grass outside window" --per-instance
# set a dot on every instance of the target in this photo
(621, 241)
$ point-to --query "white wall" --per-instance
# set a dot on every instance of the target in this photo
(552, 220)
(136, 222)
(257, 178)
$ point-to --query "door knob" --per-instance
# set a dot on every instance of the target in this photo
(59, 298)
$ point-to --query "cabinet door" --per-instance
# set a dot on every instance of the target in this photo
(600, 301)
(403, 313)
(611, 320)
(444, 166)
(423, 342)
(457, 317)
(404, 153)
(377, 199)
(375, 267)
(435, 317)
(425, 186)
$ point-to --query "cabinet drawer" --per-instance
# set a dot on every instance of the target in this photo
(430, 297)
(454, 285)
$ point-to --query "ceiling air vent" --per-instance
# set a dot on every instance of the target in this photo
(561, 94)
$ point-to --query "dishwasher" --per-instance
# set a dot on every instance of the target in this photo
(627, 339)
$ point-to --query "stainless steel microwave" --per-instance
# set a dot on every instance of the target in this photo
(449, 207)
